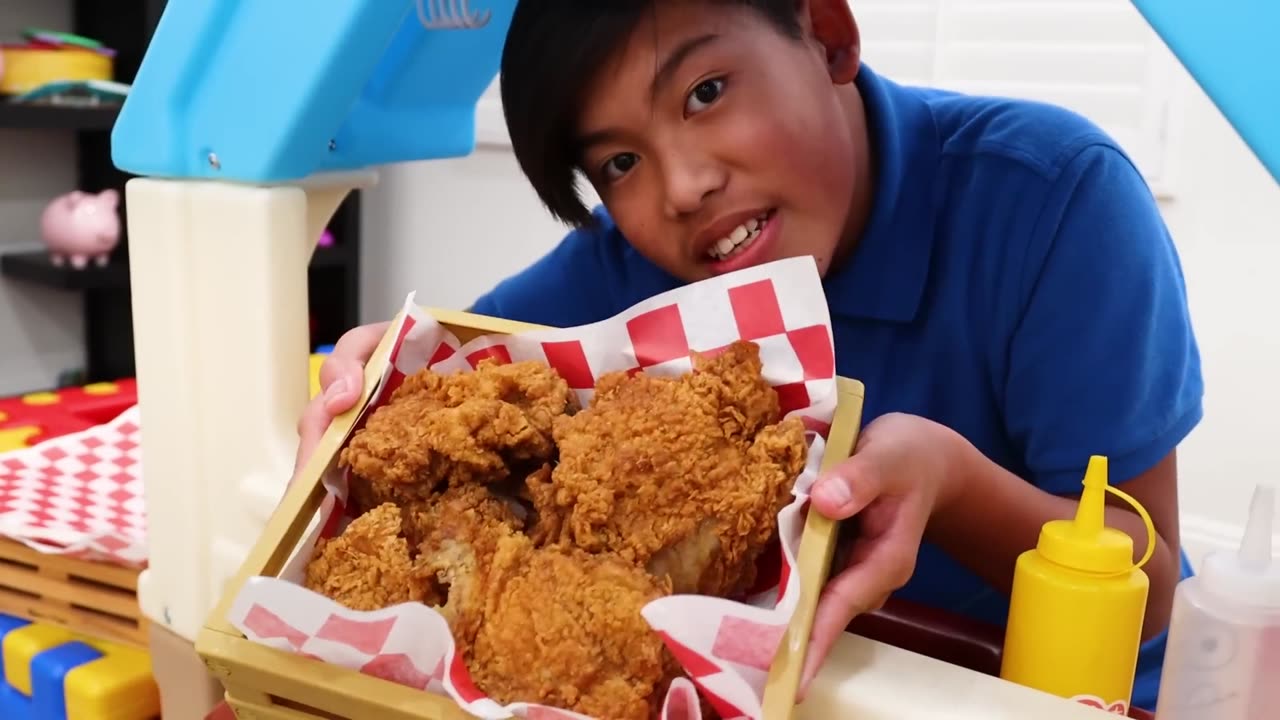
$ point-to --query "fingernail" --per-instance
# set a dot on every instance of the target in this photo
(835, 492)
(339, 387)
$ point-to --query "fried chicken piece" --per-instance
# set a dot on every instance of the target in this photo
(563, 628)
(457, 533)
(533, 386)
(462, 427)
(683, 476)
(368, 566)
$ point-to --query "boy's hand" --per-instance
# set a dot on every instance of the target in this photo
(904, 468)
(341, 381)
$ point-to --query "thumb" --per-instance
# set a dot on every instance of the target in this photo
(846, 489)
(342, 379)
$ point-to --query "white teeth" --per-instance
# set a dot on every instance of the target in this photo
(738, 240)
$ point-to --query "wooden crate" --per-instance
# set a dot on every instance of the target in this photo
(92, 598)
(268, 684)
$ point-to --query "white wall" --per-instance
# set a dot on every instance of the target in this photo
(41, 331)
(1225, 216)
(428, 222)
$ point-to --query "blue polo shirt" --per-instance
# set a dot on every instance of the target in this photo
(1015, 282)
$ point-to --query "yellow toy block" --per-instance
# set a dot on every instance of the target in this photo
(23, 644)
(117, 686)
(316, 362)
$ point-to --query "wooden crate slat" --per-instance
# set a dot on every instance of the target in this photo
(77, 619)
(104, 573)
(91, 598)
(56, 587)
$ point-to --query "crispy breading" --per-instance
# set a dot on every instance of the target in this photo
(461, 427)
(540, 531)
(563, 628)
(684, 476)
(368, 566)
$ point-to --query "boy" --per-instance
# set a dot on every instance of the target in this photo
(997, 271)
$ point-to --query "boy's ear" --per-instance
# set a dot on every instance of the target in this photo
(833, 27)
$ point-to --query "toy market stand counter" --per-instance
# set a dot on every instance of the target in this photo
(864, 680)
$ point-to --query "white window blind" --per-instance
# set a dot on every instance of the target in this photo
(1096, 57)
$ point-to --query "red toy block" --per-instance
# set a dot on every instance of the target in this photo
(31, 419)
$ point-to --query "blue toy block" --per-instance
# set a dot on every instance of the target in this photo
(13, 704)
(1229, 47)
(255, 91)
(48, 678)
(11, 622)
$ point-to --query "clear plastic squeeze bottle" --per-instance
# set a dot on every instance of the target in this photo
(1078, 603)
(1222, 659)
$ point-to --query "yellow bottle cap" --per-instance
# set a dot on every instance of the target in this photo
(1086, 543)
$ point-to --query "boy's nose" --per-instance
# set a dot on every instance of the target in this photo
(690, 181)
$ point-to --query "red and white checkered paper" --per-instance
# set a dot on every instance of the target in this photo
(726, 646)
(79, 495)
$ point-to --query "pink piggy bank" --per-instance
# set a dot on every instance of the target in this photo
(81, 227)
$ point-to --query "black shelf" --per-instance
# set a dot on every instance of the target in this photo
(333, 256)
(30, 116)
(36, 267)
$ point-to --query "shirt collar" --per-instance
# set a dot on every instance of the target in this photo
(885, 276)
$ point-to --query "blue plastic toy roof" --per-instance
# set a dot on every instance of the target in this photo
(1228, 46)
(276, 90)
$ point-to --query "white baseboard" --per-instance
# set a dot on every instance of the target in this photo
(1202, 535)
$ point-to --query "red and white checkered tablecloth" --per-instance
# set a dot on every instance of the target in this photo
(725, 646)
(79, 495)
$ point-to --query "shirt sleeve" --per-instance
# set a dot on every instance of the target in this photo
(1103, 359)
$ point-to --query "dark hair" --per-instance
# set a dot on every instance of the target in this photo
(552, 52)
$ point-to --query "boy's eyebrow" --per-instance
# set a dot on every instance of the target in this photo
(671, 63)
(666, 69)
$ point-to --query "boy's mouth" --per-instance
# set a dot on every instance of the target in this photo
(741, 237)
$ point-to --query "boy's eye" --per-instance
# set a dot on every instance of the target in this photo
(707, 92)
(619, 165)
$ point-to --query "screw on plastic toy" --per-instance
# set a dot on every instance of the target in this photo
(450, 15)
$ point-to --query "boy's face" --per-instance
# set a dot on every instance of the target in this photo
(717, 142)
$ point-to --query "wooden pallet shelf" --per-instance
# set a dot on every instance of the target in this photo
(91, 598)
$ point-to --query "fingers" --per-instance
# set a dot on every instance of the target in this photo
(341, 382)
(827, 628)
(342, 374)
(311, 426)
(848, 488)
(879, 567)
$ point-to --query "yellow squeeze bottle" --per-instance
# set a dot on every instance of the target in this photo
(1078, 603)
